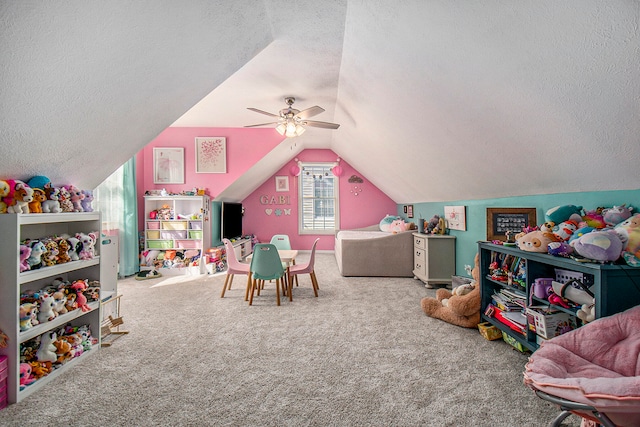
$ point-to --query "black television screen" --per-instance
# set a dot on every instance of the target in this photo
(231, 218)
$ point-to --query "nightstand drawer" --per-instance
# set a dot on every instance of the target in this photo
(419, 242)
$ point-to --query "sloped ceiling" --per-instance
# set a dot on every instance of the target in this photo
(437, 101)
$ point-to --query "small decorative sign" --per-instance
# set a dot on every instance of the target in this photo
(455, 217)
(501, 220)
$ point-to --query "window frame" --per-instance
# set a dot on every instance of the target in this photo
(301, 199)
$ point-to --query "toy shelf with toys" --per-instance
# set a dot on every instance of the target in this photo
(518, 292)
(51, 291)
(177, 231)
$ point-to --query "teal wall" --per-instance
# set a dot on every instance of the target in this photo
(466, 241)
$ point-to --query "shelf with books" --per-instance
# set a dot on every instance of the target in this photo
(509, 274)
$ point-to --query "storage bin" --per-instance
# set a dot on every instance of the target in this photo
(173, 234)
(489, 332)
(514, 343)
(154, 234)
(153, 225)
(549, 324)
(189, 244)
(195, 225)
(195, 234)
(174, 225)
(160, 244)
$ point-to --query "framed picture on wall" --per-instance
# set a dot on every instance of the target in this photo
(168, 165)
(282, 183)
(501, 220)
(211, 154)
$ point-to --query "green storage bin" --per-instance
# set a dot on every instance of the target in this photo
(159, 244)
(195, 234)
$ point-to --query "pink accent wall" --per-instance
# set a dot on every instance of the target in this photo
(367, 208)
(244, 148)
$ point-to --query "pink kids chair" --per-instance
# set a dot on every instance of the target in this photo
(592, 371)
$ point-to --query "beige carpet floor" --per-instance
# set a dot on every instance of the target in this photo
(361, 354)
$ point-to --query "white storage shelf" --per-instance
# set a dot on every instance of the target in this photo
(187, 227)
(15, 228)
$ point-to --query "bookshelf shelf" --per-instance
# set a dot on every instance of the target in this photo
(616, 287)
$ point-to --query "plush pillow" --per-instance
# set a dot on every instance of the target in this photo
(391, 224)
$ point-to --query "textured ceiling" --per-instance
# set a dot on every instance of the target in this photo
(437, 100)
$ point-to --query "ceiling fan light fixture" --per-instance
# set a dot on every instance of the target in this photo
(281, 128)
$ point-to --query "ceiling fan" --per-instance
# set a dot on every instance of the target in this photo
(292, 122)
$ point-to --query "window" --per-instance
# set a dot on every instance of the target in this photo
(318, 199)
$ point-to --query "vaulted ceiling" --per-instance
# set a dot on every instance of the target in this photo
(437, 100)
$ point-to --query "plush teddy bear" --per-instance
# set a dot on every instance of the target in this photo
(461, 310)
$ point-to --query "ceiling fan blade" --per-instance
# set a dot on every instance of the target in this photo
(310, 112)
(262, 124)
(324, 125)
(262, 112)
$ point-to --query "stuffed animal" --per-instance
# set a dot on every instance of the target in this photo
(22, 196)
(562, 249)
(63, 350)
(39, 196)
(37, 250)
(60, 302)
(7, 190)
(46, 312)
(50, 256)
(74, 248)
(65, 200)
(387, 222)
(615, 215)
(25, 253)
(26, 377)
(86, 202)
(564, 230)
(460, 310)
(629, 232)
(432, 224)
(28, 315)
(52, 204)
(601, 245)
(580, 232)
(47, 351)
(39, 181)
(79, 286)
(594, 218)
(559, 214)
(536, 241)
(76, 196)
(587, 313)
(88, 242)
(63, 250)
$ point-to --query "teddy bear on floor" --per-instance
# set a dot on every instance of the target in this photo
(457, 308)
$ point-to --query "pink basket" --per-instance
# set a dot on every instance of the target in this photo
(153, 225)
(189, 244)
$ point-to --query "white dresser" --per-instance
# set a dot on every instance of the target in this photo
(434, 258)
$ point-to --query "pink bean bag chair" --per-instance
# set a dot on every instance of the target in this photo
(596, 365)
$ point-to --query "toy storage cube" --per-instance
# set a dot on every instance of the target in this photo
(160, 244)
(173, 234)
(195, 225)
(153, 234)
(153, 225)
(195, 234)
(188, 244)
(174, 225)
